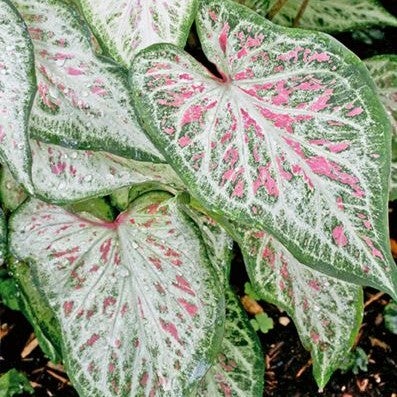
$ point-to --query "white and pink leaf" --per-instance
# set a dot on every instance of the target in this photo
(62, 175)
(137, 301)
(83, 100)
(327, 312)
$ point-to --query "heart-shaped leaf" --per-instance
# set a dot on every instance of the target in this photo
(332, 15)
(292, 139)
(239, 369)
(62, 175)
(83, 100)
(17, 88)
(138, 303)
(383, 69)
(126, 27)
(12, 194)
(327, 312)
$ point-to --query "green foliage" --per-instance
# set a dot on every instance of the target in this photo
(390, 316)
(123, 194)
(262, 322)
(14, 383)
(356, 361)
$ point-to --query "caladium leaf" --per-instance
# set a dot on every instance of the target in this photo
(137, 301)
(17, 88)
(334, 15)
(383, 69)
(239, 369)
(12, 194)
(62, 175)
(3, 237)
(291, 139)
(327, 312)
(83, 100)
(125, 28)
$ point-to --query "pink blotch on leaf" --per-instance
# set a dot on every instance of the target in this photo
(191, 308)
(223, 37)
(74, 71)
(170, 328)
(339, 236)
(355, 112)
(184, 141)
(239, 189)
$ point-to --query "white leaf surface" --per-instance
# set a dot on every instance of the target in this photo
(62, 175)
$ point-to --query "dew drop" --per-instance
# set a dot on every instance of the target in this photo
(74, 155)
(88, 178)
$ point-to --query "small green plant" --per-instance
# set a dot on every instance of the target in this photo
(14, 383)
(390, 316)
(356, 361)
(129, 168)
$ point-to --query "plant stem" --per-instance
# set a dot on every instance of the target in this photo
(275, 9)
(300, 13)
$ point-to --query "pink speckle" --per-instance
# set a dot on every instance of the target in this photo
(338, 147)
(283, 94)
(184, 141)
(92, 339)
(375, 252)
(104, 249)
(144, 379)
(239, 189)
(266, 180)
(74, 71)
(367, 224)
(319, 57)
(108, 301)
(339, 236)
(314, 285)
(355, 112)
(322, 101)
(223, 37)
(315, 337)
(192, 114)
(183, 285)
(58, 168)
(68, 307)
(98, 90)
(170, 328)
(191, 308)
(293, 54)
(2, 134)
(339, 202)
